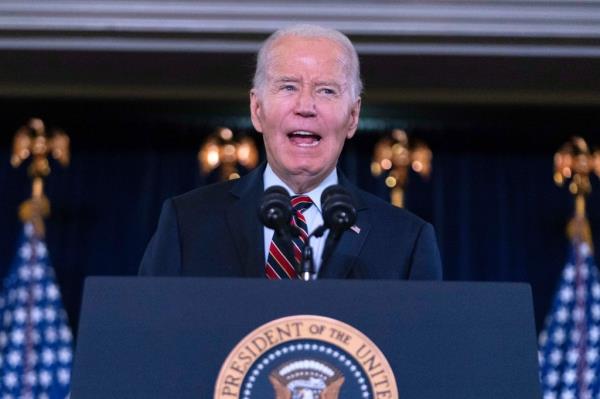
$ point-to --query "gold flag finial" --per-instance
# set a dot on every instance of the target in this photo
(573, 165)
(222, 150)
(32, 141)
(393, 156)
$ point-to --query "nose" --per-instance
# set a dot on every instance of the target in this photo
(305, 104)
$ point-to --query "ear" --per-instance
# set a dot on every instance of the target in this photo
(255, 111)
(353, 118)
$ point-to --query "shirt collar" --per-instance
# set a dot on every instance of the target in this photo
(271, 179)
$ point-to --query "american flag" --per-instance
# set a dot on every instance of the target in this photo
(569, 345)
(35, 339)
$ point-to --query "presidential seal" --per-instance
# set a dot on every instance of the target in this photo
(306, 357)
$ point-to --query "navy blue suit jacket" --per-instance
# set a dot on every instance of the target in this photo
(214, 231)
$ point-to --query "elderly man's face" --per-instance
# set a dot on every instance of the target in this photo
(305, 110)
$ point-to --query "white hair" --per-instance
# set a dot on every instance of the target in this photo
(309, 31)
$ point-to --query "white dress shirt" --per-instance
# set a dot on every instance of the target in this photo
(312, 215)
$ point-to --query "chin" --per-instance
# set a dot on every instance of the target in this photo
(304, 170)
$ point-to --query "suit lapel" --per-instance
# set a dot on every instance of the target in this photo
(244, 225)
(343, 258)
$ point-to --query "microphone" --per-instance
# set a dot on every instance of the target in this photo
(339, 214)
(275, 211)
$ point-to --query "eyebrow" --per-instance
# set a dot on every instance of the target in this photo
(329, 83)
(318, 83)
(286, 79)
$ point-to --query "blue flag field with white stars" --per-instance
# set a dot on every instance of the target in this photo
(569, 345)
(35, 339)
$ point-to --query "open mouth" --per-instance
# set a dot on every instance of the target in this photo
(303, 138)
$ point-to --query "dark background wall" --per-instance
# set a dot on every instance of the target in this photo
(491, 197)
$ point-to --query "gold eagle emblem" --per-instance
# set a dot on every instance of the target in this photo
(306, 379)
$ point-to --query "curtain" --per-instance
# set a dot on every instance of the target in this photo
(496, 211)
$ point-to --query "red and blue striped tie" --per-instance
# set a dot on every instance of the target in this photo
(280, 263)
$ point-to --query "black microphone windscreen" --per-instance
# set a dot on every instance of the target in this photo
(339, 212)
(332, 190)
(275, 209)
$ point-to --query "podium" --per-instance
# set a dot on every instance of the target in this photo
(182, 337)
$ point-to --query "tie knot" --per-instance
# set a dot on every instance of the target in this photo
(300, 203)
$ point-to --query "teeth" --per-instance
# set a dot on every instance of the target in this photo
(303, 133)
(313, 144)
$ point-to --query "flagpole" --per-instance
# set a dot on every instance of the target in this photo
(569, 345)
(35, 337)
(32, 141)
(574, 162)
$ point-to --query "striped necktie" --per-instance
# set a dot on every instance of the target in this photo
(283, 261)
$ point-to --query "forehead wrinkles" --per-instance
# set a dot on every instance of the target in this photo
(281, 66)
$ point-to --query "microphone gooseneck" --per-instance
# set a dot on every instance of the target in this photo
(307, 264)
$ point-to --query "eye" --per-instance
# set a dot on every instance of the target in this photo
(328, 91)
(287, 87)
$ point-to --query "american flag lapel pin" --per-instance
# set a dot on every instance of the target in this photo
(355, 229)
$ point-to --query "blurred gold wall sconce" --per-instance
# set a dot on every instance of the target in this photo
(223, 151)
(393, 157)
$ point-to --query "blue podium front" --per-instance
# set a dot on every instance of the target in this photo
(254, 338)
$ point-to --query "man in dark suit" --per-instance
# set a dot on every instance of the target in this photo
(306, 102)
